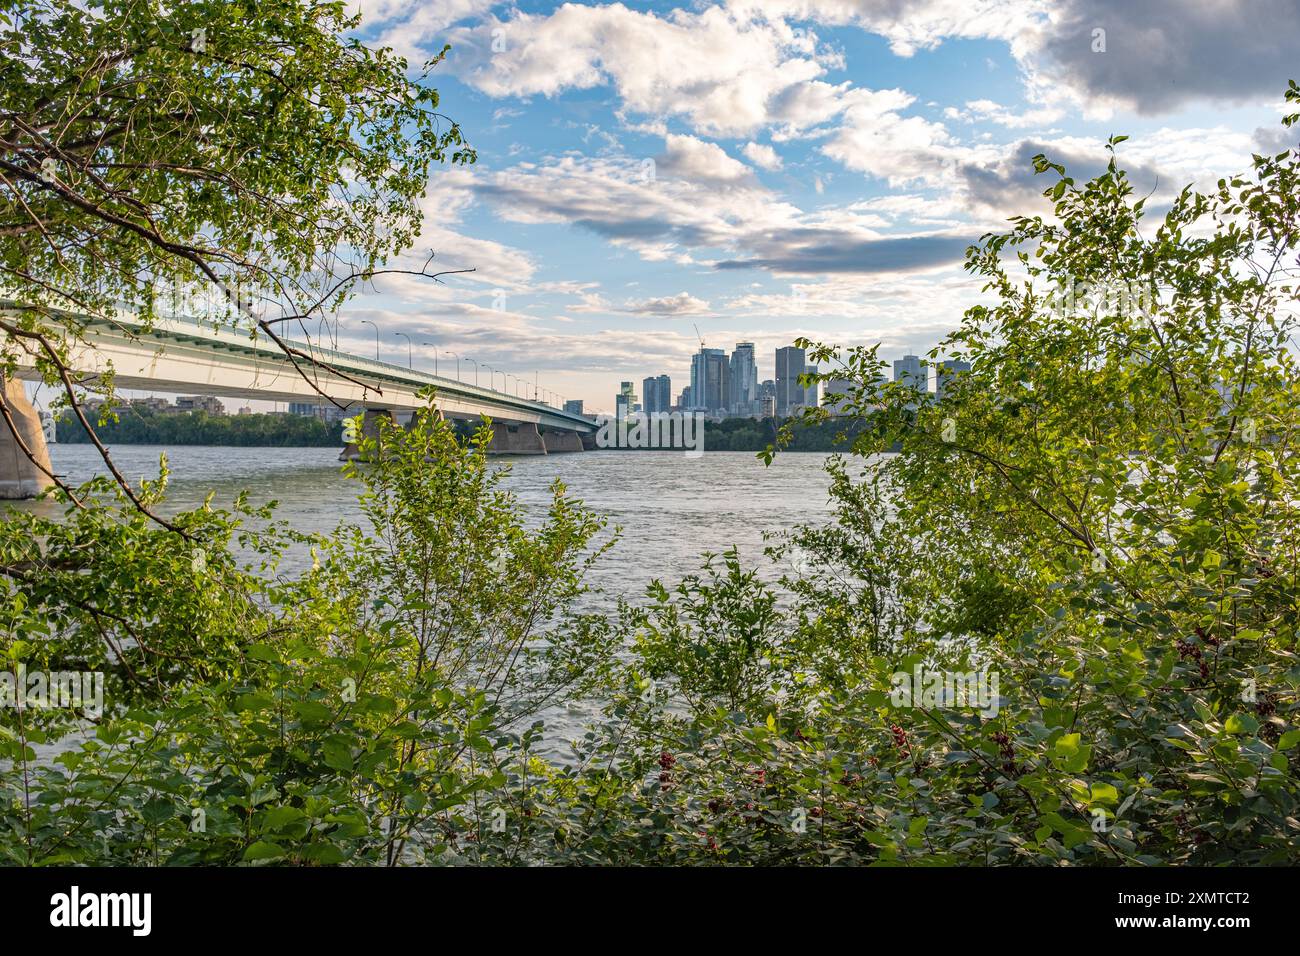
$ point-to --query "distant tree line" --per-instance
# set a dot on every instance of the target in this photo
(750, 434)
(146, 427)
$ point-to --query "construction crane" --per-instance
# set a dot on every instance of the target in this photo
(698, 336)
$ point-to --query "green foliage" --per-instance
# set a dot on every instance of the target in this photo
(146, 427)
(747, 434)
(253, 152)
(712, 635)
(357, 712)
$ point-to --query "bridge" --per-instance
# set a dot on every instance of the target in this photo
(188, 355)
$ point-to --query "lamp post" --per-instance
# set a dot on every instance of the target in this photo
(435, 355)
(368, 322)
(410, 360)
(468, 359)
(457, 358)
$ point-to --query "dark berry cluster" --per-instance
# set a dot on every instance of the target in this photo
(666, 763)
(1191, 650)
(1007, 752)
(900, 740)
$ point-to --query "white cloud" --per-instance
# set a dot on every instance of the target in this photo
(762, 156)
(683, 303)
(719, 71)
(686, 157)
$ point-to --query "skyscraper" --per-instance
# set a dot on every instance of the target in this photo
(909, 370)
(649, 395)
(656, 394)
(573, 406)
(710, 380)
(840, 387)
(948, 370)
(789, 366)
(744, 380)
(625, 400)
(810, 394)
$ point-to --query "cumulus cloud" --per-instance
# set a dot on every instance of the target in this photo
(686, 157)
(762, 156)
(684, 221)
(1158, 54)
(1161, 54)
(717, 70)
(683, 303)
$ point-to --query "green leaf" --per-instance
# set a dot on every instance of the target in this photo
(262, 850)
(1241, 724)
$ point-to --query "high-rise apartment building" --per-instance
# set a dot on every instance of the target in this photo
(743, 371)
(948, 370)
(656, 394)
(625, 400)
(789, 366)
(909, 370)
(710, 380)
(811, 394)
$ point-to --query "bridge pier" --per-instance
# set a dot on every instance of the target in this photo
(19, 476)
(562, 442)
(369, 429)
(420, 413)
(522, 438)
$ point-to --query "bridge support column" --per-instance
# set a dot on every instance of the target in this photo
(421, 413)
(19, 476)
(562, 441)
(369, 429)
(522, 438)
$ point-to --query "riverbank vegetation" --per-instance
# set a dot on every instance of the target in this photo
(146, 427)
(1098, 520)
(142, 426)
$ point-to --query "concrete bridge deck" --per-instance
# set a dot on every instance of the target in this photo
(188, 355)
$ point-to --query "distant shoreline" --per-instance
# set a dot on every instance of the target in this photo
(284, 430)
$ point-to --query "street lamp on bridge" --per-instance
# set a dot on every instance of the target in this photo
(435, 355)
(368, 322)
(410, 360)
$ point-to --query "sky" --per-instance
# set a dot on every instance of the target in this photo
(767, 169)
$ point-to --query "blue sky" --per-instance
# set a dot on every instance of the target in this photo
(764, 169)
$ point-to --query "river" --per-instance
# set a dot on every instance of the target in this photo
(670, 507)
